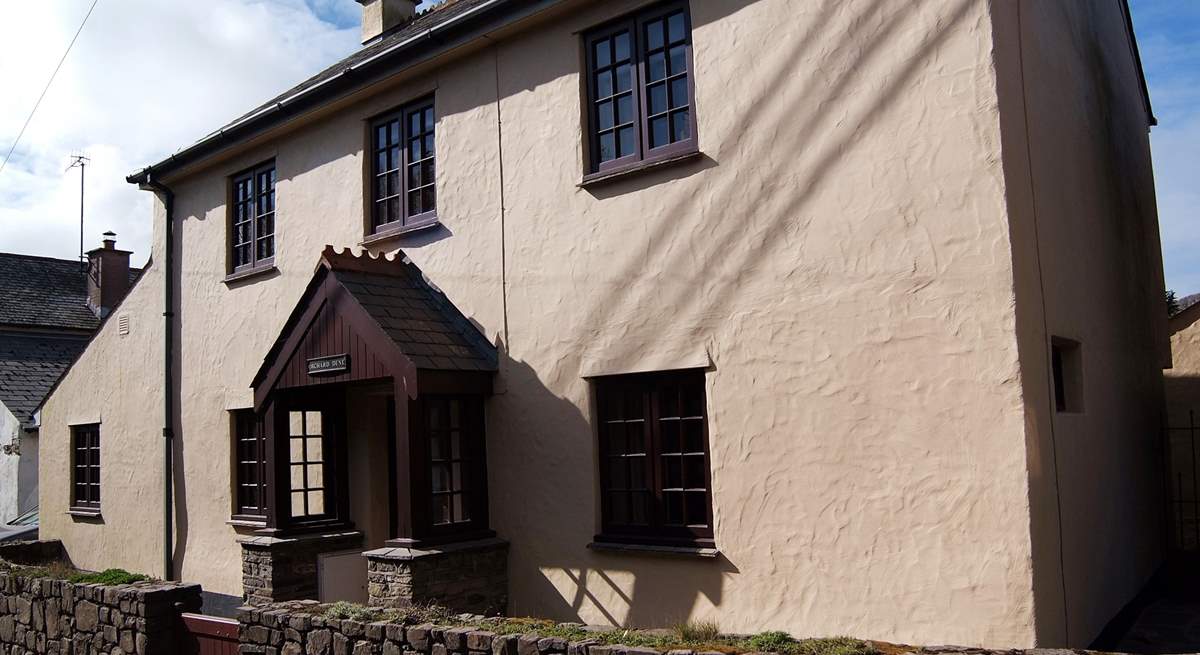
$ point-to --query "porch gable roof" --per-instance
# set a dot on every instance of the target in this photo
(402, 309)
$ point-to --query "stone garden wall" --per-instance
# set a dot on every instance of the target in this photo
(42, 615)
(292, 628)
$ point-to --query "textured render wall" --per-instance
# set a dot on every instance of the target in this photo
(116, 382)
(1182, 380)
(839, 257)
(1088, 225)
(10, 493)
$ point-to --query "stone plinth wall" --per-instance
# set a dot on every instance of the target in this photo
(276, 569)
(469, 577)
(39, 615)
(292, 628)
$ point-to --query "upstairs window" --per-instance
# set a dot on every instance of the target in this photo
(249, 470)
(640, 89)
(403, 190)
(252, 229)
(85, 468)
(654, 458)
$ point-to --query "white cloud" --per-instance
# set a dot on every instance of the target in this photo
(145, 79)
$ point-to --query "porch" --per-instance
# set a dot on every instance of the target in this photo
(371, 410)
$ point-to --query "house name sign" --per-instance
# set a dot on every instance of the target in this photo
(331, 365)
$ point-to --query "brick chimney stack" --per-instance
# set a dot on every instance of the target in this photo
(380, 16)
(108, 276)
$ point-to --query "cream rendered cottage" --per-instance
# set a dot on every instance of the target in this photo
(829, 316)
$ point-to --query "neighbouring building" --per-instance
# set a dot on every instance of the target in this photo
(49, 310)
(828, 316)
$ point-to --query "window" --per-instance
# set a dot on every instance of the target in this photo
(250, 475)
(1066, 362)
(403, 190)
(654, 468)
(252, 233)
(457, 466)
(306, 448)
(85, 469)
(640, 95)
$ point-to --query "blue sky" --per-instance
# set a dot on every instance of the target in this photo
(1169, 37)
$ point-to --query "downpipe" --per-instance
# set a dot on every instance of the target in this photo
(168, 432)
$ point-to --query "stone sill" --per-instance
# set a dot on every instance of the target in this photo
(409, 554)
(250, 273)
(87, 514)
(644, 549)
(597, 179)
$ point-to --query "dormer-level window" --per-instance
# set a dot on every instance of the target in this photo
(641, 105)
(252, 220)
(403, 193)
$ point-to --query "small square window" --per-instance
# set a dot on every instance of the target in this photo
(1066, 362)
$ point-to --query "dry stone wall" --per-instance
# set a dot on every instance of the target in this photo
(39, 615)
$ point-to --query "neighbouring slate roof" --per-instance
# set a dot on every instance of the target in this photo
(29, 367)
(1187, 301)
(45, 292)
(422, 322)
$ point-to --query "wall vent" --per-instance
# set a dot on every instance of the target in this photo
(123, 324)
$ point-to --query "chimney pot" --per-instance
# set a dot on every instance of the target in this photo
(380, 16)
(110, 240)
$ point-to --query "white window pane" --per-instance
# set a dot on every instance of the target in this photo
(298, 503)
(312, 423)
(297, 450)
(314, 450)
(316, 475)
(297, 476)
(316, 502)
(295, 424)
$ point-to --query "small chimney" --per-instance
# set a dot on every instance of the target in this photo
(108, 276)
(380, 16)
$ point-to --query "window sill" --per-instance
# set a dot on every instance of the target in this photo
(388, 234)
(81, 513)
(597, 179)
(250, 273)
(245, 522)
(667, 551)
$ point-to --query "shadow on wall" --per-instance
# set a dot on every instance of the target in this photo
(1182, 465)
(628, 590)
(645, 591)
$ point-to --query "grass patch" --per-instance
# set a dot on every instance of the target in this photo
(64, 571)
(697, 631)
(106, 577)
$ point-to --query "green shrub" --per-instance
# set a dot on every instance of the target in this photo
(106, 577)
(772, 641)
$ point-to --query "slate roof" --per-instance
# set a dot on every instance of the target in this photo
(423, 22)
(29, 367)
(428, 30)
(46, 293)
(419, 318)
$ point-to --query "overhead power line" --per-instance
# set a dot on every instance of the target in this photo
(47, 88)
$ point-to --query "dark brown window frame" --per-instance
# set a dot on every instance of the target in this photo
(643, 155)
(379, 222)
(650, 387)
(248, 439)
(252, 176)
(474, 445)
(87, 502)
